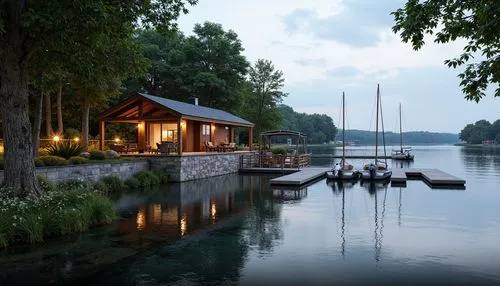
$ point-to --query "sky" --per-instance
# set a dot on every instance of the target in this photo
(326, 47)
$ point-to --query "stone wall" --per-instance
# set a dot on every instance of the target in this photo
(193, 167)
(179, 168)
(90, 172)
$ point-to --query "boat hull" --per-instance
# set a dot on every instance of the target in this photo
(403, 157)
(378, 176)
(345, 176)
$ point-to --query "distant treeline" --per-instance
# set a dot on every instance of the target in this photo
(318, 127)
(391, 138)
(481, 131)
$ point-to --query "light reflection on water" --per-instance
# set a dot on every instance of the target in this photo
(236, 229)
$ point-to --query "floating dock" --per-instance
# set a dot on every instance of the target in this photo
(433, 177)
(301, 177)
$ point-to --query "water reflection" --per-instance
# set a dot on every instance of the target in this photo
(480, 159)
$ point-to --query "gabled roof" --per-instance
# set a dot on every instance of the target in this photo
(196, 110)
(183, 109)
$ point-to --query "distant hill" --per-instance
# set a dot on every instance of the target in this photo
(413, 137)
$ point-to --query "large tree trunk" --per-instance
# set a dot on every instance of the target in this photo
(48, 114)
(85, 125)
(19, 173)
(60, 128)
(37, 124)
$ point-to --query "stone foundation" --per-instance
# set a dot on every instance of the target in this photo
(179, 168)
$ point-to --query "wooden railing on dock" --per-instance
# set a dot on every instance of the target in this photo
(256, 160)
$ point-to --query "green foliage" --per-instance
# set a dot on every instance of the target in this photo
(262, 94)
(132, 184)
(58, 212)
(162, 176)
(481, 131)
(65, 149)
(77, 160)
(279, 150)
(318, 127)
(71, 133)
(38, 162)
(147, 179)
(114, 184)
(475, 21)
(45, 184)
(97, 155)
(53, 160)
(101, 187)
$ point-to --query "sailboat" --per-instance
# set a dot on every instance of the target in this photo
(404, 152)
(376, 171)
(345, 171)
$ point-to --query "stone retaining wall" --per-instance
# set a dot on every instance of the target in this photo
(179, 168)
(193, 167)
(91, 172)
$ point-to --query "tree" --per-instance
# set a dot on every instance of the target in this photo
(266, 92)
(478, 21)
(62, 27)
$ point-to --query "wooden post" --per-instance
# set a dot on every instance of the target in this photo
(179, 136)
(101, 135)
(141, 136)
(250, 135)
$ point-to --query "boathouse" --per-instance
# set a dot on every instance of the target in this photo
(166, 126)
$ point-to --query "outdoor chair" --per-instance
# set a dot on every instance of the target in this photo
(210, 147)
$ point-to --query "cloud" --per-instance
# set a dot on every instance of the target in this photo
(343, 71)
(356, 24)
(321, 62)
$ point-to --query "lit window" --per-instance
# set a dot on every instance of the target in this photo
(205, 129)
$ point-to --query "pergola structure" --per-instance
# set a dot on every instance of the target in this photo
(301, 139)
(187, 126)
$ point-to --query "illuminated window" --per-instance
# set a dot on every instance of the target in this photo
(205, 129)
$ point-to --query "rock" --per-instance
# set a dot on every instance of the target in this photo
(111, 154)
(84, 154)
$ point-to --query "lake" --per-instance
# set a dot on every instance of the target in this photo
(238, 230)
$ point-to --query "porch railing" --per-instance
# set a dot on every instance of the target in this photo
(256, 160)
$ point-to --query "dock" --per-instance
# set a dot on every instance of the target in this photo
(329, 156)
(433, 177)
(301, 177)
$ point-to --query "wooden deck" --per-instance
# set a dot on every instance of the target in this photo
(258, 170)
(301, 177)
(433, 177)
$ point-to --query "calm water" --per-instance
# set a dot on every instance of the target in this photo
(237, 230)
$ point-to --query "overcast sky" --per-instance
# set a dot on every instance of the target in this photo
(325, 47)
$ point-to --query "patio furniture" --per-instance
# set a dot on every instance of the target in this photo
(167, 148)
(209, 146)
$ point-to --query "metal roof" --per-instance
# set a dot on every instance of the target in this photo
(196, 110)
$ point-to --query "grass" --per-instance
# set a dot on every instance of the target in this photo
(70, 207)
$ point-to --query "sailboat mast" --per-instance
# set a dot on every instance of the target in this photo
(400, 129)
(376, 128)
(343, 130)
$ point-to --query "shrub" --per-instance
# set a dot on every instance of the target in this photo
(132, 183)
(53, 160)
(72, 185)
(147, 179)
(43, 152)
(45, 184)
(114, 184)
(111, 154)
(101, 187)
(39, 162)
(77, 160)
(97, 155)
(71, 133)
(162, 176)
(65, 149)
(27, 220)
(279, 150)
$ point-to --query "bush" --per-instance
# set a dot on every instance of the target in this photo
(65, 149)
(45, 184)
(53, 160)
(279, 150)
(114, 184)
(162, 176)
(97, 155)
(111, 154)
(71, 133)
(56, 213)
(77, 160)
(39, 162)
(147, 179)
(101, 187)
(43, 152)
(132, 184)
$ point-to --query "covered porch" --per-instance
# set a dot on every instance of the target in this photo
(166, 126)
